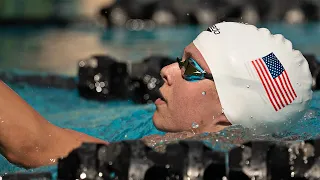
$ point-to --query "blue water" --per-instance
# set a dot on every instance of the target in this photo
(58, 50)
(66, 109)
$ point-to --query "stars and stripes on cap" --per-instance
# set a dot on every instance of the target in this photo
(275, 81)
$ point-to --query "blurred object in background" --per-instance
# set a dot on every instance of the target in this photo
(139, 15)
(143, 14)
(314, 66)
(146, 79)
(294, 11)
(102, 77)
(56, 12)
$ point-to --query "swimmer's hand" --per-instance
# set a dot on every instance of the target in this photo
(27, 139)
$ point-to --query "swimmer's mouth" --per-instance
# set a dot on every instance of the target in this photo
(161, 97)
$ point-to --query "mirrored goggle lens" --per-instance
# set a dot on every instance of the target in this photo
(190, 68)
(192, 78)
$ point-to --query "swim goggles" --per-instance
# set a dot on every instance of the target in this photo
(192, 71)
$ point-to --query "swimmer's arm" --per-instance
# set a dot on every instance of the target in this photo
(29, 140)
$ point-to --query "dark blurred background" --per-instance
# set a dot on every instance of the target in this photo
(58, 12)
(160, 12)
(53, 35)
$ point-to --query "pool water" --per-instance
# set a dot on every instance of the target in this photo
(57, 51)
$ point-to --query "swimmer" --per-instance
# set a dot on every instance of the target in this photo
(231, 74)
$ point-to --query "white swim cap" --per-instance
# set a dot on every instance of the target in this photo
(262, 82)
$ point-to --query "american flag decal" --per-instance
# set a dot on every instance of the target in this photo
(275, 81)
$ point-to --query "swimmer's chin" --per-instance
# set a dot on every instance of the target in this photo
(156, 120)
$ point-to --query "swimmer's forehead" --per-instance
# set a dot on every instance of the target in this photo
(192, 51)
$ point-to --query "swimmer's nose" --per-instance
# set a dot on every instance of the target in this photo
(167, 73)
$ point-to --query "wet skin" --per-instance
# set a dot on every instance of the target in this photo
(27, 139)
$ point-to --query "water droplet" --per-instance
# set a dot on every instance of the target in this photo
(97, 77)
(82, 63)
(91, 86)
(251, 117)
(2, 121)
(188, 14)
(248, 86)
(195, 125)
(100, 174)
(98, 89)
(203, 93)
(102, 84)
(217, 140)
(153, 80)
(83, 175)
(151, 86)
(146, 96)
(299, 64)
(125, 136)
(146, 78)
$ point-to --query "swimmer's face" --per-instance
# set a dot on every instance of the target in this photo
(184, 100)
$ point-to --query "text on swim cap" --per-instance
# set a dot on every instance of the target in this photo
(214, 29)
